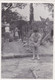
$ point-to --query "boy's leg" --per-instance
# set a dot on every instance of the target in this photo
(33, 52)
(37, 54)
(8, 35)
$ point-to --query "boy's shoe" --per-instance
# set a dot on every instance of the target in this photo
(38, 57)
(33, 58)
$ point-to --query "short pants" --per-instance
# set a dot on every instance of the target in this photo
(7, 35)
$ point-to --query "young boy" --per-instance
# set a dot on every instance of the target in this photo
(16, 34)
(35, 43)
(7, 31)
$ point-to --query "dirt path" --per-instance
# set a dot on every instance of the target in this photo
(26, 68)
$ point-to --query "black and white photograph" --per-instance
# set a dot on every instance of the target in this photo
(27, 40)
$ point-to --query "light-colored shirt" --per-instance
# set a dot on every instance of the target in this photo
(35, 39)
(7, 29)
(16, 33)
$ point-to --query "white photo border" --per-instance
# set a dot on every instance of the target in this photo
(30, 1)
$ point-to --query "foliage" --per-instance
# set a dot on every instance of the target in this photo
(9, 16)
(20, 5)
(50, 8)
(26, 28)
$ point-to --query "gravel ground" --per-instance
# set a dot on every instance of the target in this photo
(26, 68)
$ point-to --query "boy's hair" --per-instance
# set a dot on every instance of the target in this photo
(35, 30)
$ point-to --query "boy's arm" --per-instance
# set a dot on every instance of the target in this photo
(39, 39)
(31, 39)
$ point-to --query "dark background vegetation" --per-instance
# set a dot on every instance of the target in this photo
(26, 27)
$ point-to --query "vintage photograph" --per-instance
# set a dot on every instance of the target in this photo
(27, 40)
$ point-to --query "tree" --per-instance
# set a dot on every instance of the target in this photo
(20, 5)
(50, 8)
(31, 13)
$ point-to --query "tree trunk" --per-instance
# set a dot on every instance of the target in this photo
(31, 13)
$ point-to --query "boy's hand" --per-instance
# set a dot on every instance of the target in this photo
(36, 44)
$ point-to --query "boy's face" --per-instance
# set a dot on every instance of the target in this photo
(35, 33)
